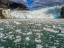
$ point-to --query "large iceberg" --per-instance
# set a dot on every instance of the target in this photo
(49, 12)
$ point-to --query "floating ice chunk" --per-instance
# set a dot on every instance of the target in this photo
(61, 35)
(16, 22)
(18, 30)
(62, 30)
(55, 26)
(52, 47)
(18, 37)
(29, 33)
(27, 44)
(51, 30)
(39, 46)
(24, 33)
(31, 23)
(9, 47)
(1, 29)
(37, 40)
(11, 37)
(27, 38)
(36, 33)
(39, 36)
(10, 32)
(2, 35)
(38, 24)
(37, 30)
(48, 26)
(17, 40)
(2, 47)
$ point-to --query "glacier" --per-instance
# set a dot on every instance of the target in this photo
(49, 12)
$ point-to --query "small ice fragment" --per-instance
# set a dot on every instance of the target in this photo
(37, 40)
(27, 38)
(39, 46)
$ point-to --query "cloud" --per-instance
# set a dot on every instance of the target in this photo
(41, 3)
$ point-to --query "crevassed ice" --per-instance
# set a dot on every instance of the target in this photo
(50, 12)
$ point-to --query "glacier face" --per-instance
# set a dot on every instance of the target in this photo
(49, 12)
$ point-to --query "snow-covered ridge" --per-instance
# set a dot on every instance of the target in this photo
(50, 12)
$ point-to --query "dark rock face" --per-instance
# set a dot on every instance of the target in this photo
(17, 5)
(12, 5)
(62, 12)
(1, 16)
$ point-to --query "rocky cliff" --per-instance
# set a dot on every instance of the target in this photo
(7, 4)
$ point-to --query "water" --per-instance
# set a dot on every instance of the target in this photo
(32, 33)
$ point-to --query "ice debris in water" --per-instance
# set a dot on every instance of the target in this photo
(1, 35)
(38, 40)
(39, 46)
(27, 38)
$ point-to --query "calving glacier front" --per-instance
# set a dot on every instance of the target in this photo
(49, 12)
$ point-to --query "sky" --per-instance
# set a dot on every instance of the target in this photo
(41, 3)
